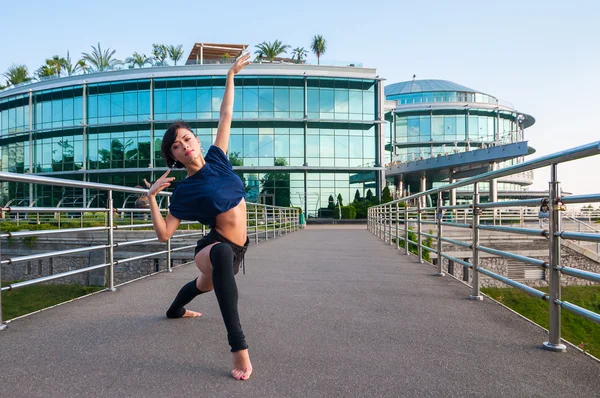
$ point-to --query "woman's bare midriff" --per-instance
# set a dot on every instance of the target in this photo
(233, 224)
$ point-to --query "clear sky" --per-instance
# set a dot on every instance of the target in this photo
(541, 56)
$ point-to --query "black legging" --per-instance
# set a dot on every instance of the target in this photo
(222, 258)
(187, 293)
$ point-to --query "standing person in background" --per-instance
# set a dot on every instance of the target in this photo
(213, 195)
(544, 213)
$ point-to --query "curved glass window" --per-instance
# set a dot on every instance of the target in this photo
(442, 96)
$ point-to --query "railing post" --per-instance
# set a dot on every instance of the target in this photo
(419, 247)
(2, 324)
(438, 216)
(381, 222)
(406, 228)
(255, 224)
(554, 343)
(111, 243)
(169, 243)
(522, 216)
(475, 295)
(390, 224)
(377, 232)
(274, 224)
(397, 226)
(377, 215)
(265, 213)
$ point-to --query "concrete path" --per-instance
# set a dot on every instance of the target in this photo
(327, 313)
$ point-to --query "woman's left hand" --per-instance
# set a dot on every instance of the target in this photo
(240, 63)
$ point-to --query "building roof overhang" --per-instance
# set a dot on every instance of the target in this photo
(214, 51)
(463, 163)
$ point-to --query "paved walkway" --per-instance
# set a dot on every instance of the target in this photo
(327, 313)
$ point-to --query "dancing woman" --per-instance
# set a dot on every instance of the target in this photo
(213, 195)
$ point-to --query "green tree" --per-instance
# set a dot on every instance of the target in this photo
(45, 71)
(58, 63)
(160, 54)
(236, 160)
(175, 52)
(369, 195)
(299, 53)
(339, 199)
(74, 68)
(386, 196)
(268, 50)
(331, 202)
(138, 60)
(100, 60)
(278, 185)
(357, 197)
(17, 74)
(318, 46)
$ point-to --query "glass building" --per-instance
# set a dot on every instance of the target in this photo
(299, 132)
(438, 119)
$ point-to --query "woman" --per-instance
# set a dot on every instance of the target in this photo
(544, 213)
(213, 195)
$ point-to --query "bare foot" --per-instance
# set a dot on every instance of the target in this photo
(242, 368)
(191, 314)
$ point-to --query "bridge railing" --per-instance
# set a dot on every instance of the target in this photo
(403, 220)
(264, 222)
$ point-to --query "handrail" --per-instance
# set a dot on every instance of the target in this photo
(548, 160)
(263, 222)
(61, 182)
(479, 217)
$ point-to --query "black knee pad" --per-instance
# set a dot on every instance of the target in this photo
(221, 255)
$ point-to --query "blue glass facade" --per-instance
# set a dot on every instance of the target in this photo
(321, 126)
(436, 117)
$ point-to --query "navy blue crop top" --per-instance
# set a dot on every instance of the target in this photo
(212, 190)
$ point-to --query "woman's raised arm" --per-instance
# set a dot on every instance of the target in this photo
(222, 140)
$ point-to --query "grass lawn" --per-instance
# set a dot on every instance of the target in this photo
(579, 331)
(32, 298)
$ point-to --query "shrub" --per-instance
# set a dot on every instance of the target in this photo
(348, 212)
(412, 247)
(386, 196)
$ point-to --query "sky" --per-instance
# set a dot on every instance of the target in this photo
(541, 56)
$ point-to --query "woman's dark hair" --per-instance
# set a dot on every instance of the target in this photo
(167, 142)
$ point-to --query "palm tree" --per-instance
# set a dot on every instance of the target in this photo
(17, 74)
(71, 69)
(270, 51)
(175, 52)
(45, 71)
(159, 52)
(58, 63)
(299, 53)
(138, 60)
(318, 46)
(101, 60)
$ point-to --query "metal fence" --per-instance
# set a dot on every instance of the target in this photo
(392, 222)
(264, 222)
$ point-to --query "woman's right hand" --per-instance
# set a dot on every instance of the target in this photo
(160, 184)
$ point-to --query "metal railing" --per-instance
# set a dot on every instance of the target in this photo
(264, 222)
(386, 220)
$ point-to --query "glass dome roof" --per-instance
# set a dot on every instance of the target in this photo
(421, 86)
